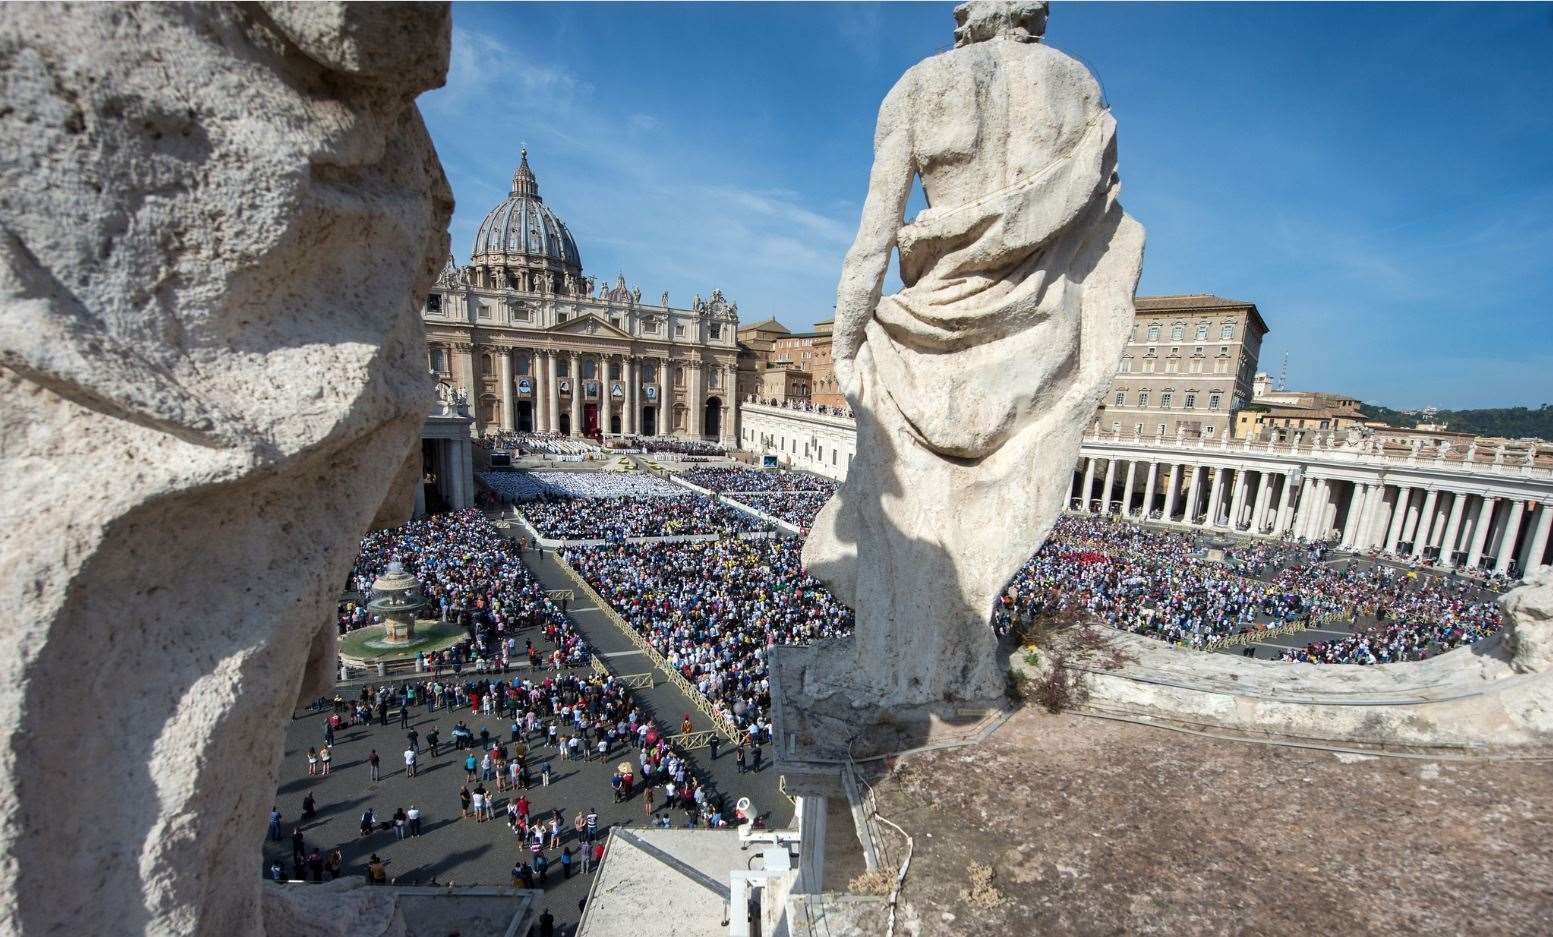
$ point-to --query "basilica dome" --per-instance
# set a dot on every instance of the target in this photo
(522, 232)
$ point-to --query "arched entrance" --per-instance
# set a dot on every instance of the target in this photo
(525, 416)
(713, 424)
(614, 424)
(649, 421)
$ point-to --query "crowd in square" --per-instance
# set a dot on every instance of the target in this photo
(619, 519)
(714, 609)
(526, 486)
(743, 480)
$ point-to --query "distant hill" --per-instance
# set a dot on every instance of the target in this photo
(1513, 422)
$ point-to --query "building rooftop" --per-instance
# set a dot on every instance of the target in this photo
(1197, 302)
(765, 325)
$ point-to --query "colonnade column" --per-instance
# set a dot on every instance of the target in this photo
(1105, 493)
(1264, 493)
(1507, 542)
(1190, 516)
(1168, 514)
(1089, 484)
(1148, 489)
(1452, 529)
(575, 373)
(1283, 518)
(727, 433)
(606, 402)
(1215, 481)
(1127, 483)
(1351, 517)
(504, 369)
(552, 395)
(1539, 539)
(1480, 531)
(1398, 518)
(693, 403)
(1425, 522)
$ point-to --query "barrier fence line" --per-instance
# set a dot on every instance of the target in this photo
(678, 679)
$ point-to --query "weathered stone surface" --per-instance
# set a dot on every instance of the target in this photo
(217, 222)
(972, 385)
(1529, 611)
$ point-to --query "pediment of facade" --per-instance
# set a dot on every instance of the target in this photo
(587, 324)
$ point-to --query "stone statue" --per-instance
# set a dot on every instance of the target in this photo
(1529, 613)
(219, 223)
(973, 384)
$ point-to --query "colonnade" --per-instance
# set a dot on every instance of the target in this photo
(1454, 526)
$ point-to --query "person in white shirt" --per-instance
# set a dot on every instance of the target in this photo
(409, 762)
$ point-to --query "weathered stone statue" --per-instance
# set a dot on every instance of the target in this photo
(216, 226)
(972, 384)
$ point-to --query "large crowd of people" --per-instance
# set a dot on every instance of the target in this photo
(798, 508)
(543, 444)
(623, 518)
(743, 480)
(526, 486)
(676, 445)
(1166, 585)
(714, 609)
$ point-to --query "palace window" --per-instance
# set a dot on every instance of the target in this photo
(1127, 365)
(1161, 429)
(1172, 366)
(1116, 427)
(434, 304)
(563, 366)
(522, 364)
(1165, 399)
(679, 331)
(614, 321)
(1137, 429)
(561, 317)
(1143, 400)
(485, 310)
(1191, 400)
(1177, 333)
(1226, 333)
(1207, 431)
(714, 379)
(590, 369)
(1153, 333)
(520, 313)
(1202, 331)
(439, 360)
(715, 330)
(614, 370)
(1213, 401)
(485, 365)
(649, 373)
(1148, 366)
(1121, 398)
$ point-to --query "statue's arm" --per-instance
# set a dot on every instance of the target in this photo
(862, 273)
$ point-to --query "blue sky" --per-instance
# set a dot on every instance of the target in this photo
(1377, 178)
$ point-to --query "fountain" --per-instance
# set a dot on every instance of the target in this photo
(396, 598)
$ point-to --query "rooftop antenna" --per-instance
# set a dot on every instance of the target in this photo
(1283, 373)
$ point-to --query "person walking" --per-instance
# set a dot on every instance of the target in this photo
(431, 742)
(415, 739)
(298, 846)
(566, 863)
(413, 815)
(324, 757)
(275, 832)
(312, 761)
(373, 763)
(711, 743)
(738, 757)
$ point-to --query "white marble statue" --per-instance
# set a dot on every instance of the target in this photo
(973, 384)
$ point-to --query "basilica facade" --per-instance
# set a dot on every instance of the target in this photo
(539, 347)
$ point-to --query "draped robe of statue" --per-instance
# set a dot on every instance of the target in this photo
(973, 384)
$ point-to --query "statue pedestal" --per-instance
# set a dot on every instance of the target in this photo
(817, 736)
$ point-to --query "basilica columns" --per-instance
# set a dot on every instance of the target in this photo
(504, 360)
(606, 401)
(1089, 485)
(695, 381)
(575, 374)
(552, 394)
(1168, 514)
(628, 404)
(1148, 489)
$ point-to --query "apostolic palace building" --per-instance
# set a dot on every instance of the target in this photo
(539, 347)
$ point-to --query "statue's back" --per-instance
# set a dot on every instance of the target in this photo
(1032, 104)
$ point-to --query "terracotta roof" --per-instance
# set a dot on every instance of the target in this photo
(762, 326)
